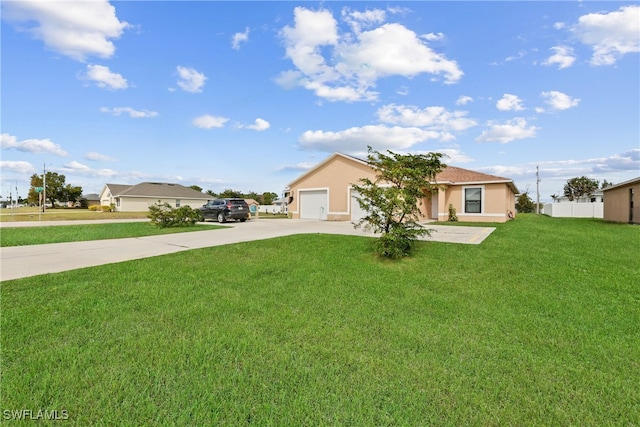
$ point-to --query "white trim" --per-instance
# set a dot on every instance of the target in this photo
(464, 205)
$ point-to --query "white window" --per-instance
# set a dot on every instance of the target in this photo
(177, 203)
(473, 199)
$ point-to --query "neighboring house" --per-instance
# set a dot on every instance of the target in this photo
(326, 192)
(92, 199)
(139, 197)
(621, 202)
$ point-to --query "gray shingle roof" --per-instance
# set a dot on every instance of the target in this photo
(156, 189)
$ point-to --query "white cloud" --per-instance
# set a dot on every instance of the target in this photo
(507, 131)
(356, 60)
(135, 114)
(559, 101)
(260, 125)
(31, 145)
(356, 139)
(239, 38)
(357, 20)
(435, 118)
(509, 103)
(208, 122)
(75, 29)
(104, 78)
(610, 35)
(454, 156)
(93, 156)
(563, 56)
(77, 168)
(298, 167)
(17, 166)
(629, 161)
(464, 100)
(190, 80)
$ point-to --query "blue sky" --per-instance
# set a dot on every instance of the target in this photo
(249, 95)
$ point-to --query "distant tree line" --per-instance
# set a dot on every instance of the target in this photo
(266, 198)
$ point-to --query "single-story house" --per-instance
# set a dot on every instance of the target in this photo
(326, 192)
(619, 203)
(139, 197)
(92, 199)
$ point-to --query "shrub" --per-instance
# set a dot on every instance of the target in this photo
(163, 215)
(452, 213)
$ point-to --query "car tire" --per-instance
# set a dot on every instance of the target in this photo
(221, 217)
(243, 219)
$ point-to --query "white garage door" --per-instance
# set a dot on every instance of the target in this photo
(357, 212)
(313, 204)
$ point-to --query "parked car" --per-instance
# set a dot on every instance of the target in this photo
(224, 209)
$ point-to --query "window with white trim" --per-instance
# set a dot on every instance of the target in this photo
(473, 199)
(177, 203)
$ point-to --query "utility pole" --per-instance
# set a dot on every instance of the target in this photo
(44, 187)
(537, 189)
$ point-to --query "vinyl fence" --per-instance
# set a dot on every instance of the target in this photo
(574, 210)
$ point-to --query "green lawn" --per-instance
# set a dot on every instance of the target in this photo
(538, 325)
(22, 236)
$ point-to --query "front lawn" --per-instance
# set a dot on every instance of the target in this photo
(538, 325)
(23, 236)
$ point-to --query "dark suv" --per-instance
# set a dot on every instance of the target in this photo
(224, 209)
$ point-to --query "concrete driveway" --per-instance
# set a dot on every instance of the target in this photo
(24, 261)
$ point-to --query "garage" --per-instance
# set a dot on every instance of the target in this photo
(357, 213)
(314, 204)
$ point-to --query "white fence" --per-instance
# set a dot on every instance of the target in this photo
(271, 209)
(574, 210)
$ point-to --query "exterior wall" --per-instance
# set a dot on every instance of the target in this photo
(336, 176)
(141, 204)
(497, 201)
(339, 173)
(617, 203)
(573, 210)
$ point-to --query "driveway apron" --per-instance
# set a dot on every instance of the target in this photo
(24, 261)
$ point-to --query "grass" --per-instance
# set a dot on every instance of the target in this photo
(22, 236)
(58, 214)
(536, 326)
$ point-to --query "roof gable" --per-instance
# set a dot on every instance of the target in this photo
(156, 189)
(326, 161)
(451, 175)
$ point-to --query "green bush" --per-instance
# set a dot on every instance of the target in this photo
(397, 242)
(452, 213)
(163, 215)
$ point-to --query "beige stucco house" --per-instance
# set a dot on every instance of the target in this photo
(619, 203)
(325, 192)
(138, 198)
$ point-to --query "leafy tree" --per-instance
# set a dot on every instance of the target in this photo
(524, 204)
(268, 198)
(229, 193)
(55, 188)
(575, 188)
(605, 184)
(72, 193)
(253, 195)
(195, 187)
(391, 201)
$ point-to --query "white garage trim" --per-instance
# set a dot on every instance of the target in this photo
(357, 213)
(313, 203)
